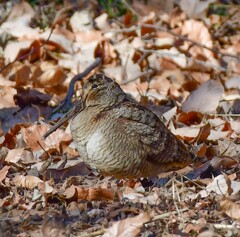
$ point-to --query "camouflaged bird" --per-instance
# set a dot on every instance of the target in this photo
(121, 138)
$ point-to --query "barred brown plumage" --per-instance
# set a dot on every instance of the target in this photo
(119, 137)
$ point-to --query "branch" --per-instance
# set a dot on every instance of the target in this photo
(187, 39)
(134, 28)
(77, 108)
(67, 101)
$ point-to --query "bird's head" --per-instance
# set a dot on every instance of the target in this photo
(100, 90)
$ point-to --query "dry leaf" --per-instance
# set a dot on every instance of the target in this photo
(205, 99)
(230, 208)
(81, 21)
(233, 82)
(102, 22)
(3, 172)
(129, 227)
(95, 194)
(51, 77)
(6, 94)
(28, 181)
(34, 134)
(198, 32)
(20, 9)
(186, 133)
(220, 186)
(195, 8)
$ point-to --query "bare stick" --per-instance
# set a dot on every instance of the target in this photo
(67, 101)
(134, 28)
(145, 73)
(187, 39)
(93, 234)
(165, 215)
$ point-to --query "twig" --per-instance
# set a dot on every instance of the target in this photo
(189, 60)
(136, 77)
(229, 227)
(165, 215)
(129, 7)
(145, 54)
(134, 28)
(227, 115)
(187, 39)
(93, 234)
(67, 101)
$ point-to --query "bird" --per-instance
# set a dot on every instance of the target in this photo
(118, 137)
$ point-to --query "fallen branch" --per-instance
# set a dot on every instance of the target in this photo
(165, 215)
(67, 101)
(146, 73)
(134, 28)
(93, 234)
(189, 40)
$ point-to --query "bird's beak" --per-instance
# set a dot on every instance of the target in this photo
(77, 108)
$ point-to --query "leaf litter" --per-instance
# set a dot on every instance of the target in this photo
(175, 60)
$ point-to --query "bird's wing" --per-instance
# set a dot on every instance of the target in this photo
(159, 144)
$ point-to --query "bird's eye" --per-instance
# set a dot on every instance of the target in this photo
(94, 86)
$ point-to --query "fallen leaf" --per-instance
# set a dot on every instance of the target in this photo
(198, 32)
(29, 96)
(95, 194)
(187, 133)
(3, 172)
(16, 50)
(230, 208)
(195, 8)
(205, 99)
(190, 118)
(34, 134)
(6, 94)
(81, 21)
(28, 181)
(129, 227)
(220, 186)
(19, 9)
(233, 82)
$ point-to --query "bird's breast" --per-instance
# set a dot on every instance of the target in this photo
(94, 143)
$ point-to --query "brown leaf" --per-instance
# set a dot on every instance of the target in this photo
(20, 156)
(29, 96)
(34, 134)
(129, 227)
(17, 50)
(51, 77)
(95, 194)
(202, 151)
(204, 133)
(28, 181)
(230, 208)
(19, 9)
(197, 31)
(3, 172)
(190, 118)
(9, 141)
